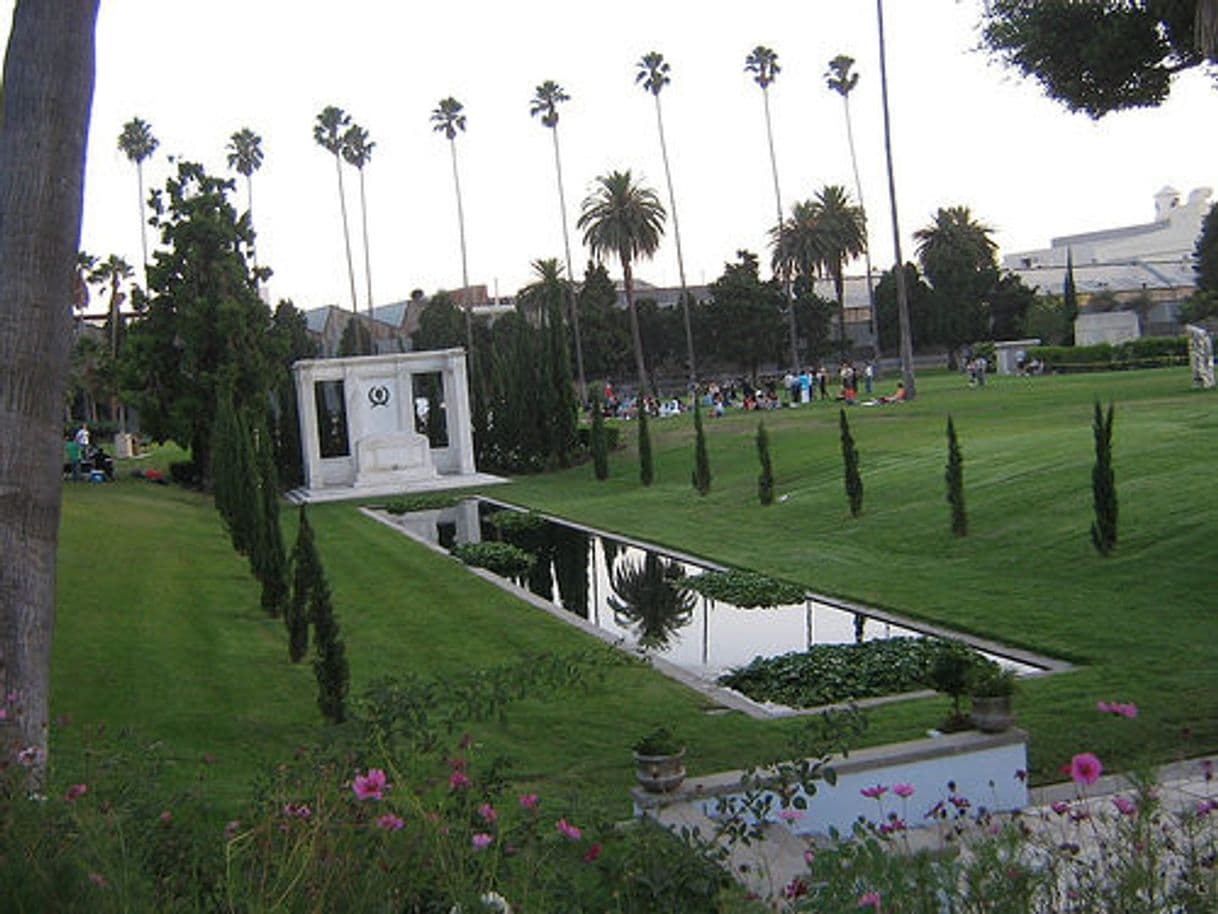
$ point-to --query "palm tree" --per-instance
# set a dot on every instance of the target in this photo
(839, 78)
(626, 220)
(328, 132)
(763, 64)
(357, 150)
(448, 119)
(113, 271)
(245, 158)
(841, 232)
(907, 371)
(548, 96)
(138, 143)
(653, 72)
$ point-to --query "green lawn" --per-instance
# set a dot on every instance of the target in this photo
(159, 627)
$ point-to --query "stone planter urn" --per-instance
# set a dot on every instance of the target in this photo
(992, 713)
(660, 773)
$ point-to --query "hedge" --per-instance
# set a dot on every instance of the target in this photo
(1147, 352)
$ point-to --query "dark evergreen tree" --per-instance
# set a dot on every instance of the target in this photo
(850, 462)
(1103, 484)
(600, 442)
(702, 472)
(272, 566)
(955, 482)
(236, 482)
(304, 572)
(355, 340)
(561, 411)
(1069, 299)
(765, 480)
(647, 470)
(290, 342)
(330, 660)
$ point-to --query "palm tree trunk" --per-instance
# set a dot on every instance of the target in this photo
(858, 189)
(839, 290)
(907, 372)
(676, 232)
(574, 305)
(786, 278)
(342, 204)
(465, 295)
(139, 182)
(635, 335)
(44, 117)
(363, 210)
(249, 206)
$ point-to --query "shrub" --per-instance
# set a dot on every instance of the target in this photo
(746, 589)
(702, 472)
(765, 479)
(647, 470)
(503, 559)
(424, 502)
(850, 464)
(1103, 484)
(1145, 352)
(955, 482)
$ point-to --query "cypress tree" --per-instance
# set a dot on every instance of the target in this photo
(765, 481)
(647, 472)
(1103, 484)
(955, 482)
(1070, 299)
(702, 473)
(330, 659)
(272, 570)
(563, 415)
(600, 443)
(224, 438)
(850, 461)
(296, 616)
(234, 475)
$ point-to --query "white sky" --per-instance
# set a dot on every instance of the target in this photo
(965, 131)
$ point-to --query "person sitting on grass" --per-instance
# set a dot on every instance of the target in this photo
(898, 397)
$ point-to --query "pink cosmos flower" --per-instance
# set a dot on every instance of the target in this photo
(390, 822)
(1085, 768)
(1060, 807)
(29, 756)
(458, 780)
(231, 828)
(790, 816)
(892, 826)
(593, 852)
(1125, 806)
(481, 841)
(809, 856)
(1117, 708)
(904, 791)
(487, 812)
(98, 880)
(1205, 807)
(870, 900)
(166, 816)
(874, 793)
(567, 830)
(529, 801)
(75, 792)
(370, 786)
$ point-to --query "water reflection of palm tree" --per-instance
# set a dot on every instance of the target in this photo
(651, 599)
(571, 568)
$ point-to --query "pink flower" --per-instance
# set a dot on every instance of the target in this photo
(458, 780)
(231, 828)
(30, 756)
(593, 852)
(390, 822)
(875, 792)
(1205, 807)
(297, 811)
(370, 786)
(1117, 708)
(904, 791)
(529, 801)
(487, 812)
(809, 856)
(1125, 806)
(870, 900)
(790, 816)
(166, 817)
(567, 830)
(481, 841)
(1085, 769)
(98, 880)
(1060, 807)
(892, 826)
(3, 713)
(75, 792)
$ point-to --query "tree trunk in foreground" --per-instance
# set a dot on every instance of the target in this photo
(44, 120)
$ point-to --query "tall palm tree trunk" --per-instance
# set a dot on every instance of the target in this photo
(839, 291)
(858, 189)
(469, 319)
(635, 335)
(786, 277)
(574, 305)
(139, 183)
(676, 231)
(363, 210)
(342, 204)
(907, 372)
(44, 118)
(249, 206)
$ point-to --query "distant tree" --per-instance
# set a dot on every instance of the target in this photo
(958, 257)
(1205, 254)
(762, 62)
(1009, 301)
(328, 133)
(448, 118)
(702, 471)
(357, 152)
(606, 328)
(600, 442)
(765, 479)
(289, 342)
(138, 144)
(441, 325)
(1046, 320)
(1102, 56)
(919, 308)
(626, 220)
(1069, 300)
(356, 339)
(748, 312)
(647, 470)
(551, 389)
(850, 465)
(1103, 484)
(245, 158)
(303, 572)
(113, 272)
(955, 482)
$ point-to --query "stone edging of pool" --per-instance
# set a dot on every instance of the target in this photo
(726, 698)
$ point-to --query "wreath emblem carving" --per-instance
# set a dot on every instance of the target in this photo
(378, 395)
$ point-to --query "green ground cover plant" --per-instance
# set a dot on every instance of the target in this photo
(746, 589)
